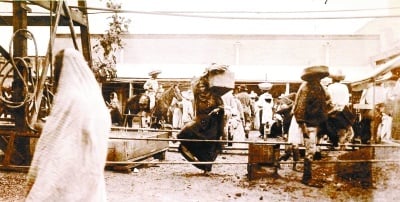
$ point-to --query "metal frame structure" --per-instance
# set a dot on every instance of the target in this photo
(17, 136)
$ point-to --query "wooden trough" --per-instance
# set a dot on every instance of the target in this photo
(120, 150)
(358, 171)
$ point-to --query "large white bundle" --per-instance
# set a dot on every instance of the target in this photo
(221, 79)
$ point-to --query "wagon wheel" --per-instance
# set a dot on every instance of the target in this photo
(45, 106)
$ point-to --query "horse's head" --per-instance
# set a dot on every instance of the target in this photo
(163, 103)
(137, 103)
(177, 92)
(144, 103)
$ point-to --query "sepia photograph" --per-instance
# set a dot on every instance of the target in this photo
(199, 101)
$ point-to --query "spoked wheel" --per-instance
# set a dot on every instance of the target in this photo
(44, 109)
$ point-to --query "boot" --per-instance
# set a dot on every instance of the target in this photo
(296, 157)
(307, 175)
(317, 156)
(286, 155)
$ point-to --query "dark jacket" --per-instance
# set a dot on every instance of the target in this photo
(311, 105)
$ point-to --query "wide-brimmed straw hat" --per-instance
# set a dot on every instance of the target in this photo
(265, 86)
(154, 72)
(253, 94)
(315, 73)
(242, 87)
(287, 98)
(338, 75)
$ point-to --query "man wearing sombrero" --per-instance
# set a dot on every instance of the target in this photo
(311, 110)
(151, 86)
(265, 104)
(338, 91)
(340, 98)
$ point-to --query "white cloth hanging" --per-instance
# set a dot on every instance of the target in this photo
(69, 159)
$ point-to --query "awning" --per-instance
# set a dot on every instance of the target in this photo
(381, 73)
(243, 73)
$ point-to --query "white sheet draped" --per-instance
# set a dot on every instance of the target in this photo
(69, 159)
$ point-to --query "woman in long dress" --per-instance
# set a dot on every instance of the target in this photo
(291, 128)
(115, 109)
(207, 125)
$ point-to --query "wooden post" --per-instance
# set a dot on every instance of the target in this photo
(85, 37)
(20, 21)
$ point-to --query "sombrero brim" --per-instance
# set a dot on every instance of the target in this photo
(154, 72)
(315, 73)
(242, 88)
(337, 77)
(265, 86)
(253, 95)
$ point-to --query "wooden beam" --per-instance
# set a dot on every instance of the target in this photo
(36, 21)
(85, 36)
(76, 15)
(71, 24)
(20, 44)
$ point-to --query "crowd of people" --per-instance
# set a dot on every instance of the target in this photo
(317, 112)
(300, 118)
(247, 111)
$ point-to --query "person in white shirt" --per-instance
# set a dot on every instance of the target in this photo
(232, 115)
(176, 109)
(338, 91)
(340, 98)
(266, 104)
(151, 86)
(187, 107)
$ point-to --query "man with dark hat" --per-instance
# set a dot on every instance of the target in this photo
(245, 99)
(311, 110)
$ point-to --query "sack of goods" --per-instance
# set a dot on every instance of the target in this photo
(221, 78)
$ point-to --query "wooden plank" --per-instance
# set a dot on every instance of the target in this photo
(71, 24)
(76, 15)
(49, 57)
(4, 53)
(85, 36)
(37, 21)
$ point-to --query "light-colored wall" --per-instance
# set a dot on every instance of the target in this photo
(267, 50)
(279, 54)
(388, 30)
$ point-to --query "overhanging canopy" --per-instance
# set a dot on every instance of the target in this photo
(382, 73)
(243, 73)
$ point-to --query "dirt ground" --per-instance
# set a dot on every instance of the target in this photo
(229, 182)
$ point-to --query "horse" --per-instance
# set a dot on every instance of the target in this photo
(339, 120)
(139, 105)
(162, 105)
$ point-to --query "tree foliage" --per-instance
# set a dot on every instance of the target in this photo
(109, 43)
